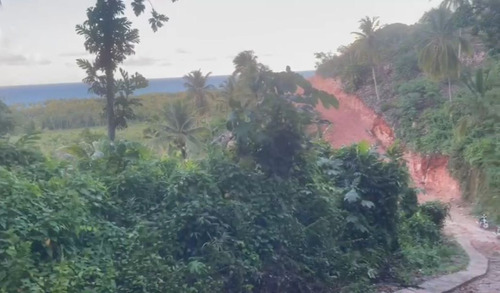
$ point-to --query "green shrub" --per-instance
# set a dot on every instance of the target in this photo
(434, 131)
(436, 211)
(12, 156)
(421, 119)
(125, 222)
(409, 203)
(422, 228)
(371, 193)
(406, 66)
(47, 238)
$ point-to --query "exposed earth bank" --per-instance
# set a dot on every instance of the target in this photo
(354, 122)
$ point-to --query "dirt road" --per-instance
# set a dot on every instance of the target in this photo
(485, 242)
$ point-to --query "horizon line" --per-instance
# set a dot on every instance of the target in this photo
(81, 82)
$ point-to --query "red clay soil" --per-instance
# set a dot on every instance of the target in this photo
(354, 122)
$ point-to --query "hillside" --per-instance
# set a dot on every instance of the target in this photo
(354, 122)
(448, 114)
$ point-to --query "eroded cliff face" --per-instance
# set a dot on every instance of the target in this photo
(354, 122)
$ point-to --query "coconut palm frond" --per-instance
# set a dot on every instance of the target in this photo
(198, 89)
(179, 128)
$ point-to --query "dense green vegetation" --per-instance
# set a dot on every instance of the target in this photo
(439, 86)
(265, 208)
(84, 113)
(126, 223)
(228, 190)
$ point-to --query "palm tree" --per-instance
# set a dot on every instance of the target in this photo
(229, 92)
(198, 89)
(245, 61)
(251, 74)
(369, 47)
(351, 70)
(455, 5)
(178, 128)
(439, 56)
(479, 82)
(229, 88)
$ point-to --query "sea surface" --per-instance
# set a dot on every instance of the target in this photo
(38, 94)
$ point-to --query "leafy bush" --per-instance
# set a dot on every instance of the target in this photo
(421, 119)
(345, 67)
(436, 211)
(409, 203)
(46, 237)
(11, 156)
(406, 66)
(371, 194)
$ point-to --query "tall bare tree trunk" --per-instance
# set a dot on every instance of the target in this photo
(459, 44)
(449, 89)
(109, 71)
(459, 49)
(375, 82)
(110, 103)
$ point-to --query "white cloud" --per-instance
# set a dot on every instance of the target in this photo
(74, 54)
(182, 51)
(142, 61)
(10, 59)
(207, 59)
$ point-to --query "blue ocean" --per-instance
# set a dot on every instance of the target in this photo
(38, 94)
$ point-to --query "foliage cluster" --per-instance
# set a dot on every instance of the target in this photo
(465, 129)
(127, 222)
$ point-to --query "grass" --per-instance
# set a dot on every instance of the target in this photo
(51, 140)
(452, 258)
(425, 263)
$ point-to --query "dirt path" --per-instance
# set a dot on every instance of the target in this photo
(354, 122)
(488, 284)
(486, 243)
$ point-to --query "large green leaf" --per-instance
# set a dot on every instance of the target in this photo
(352, 196)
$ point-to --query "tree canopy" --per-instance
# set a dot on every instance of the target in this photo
(198, 89)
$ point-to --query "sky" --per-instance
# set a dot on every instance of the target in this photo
(38, 43)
